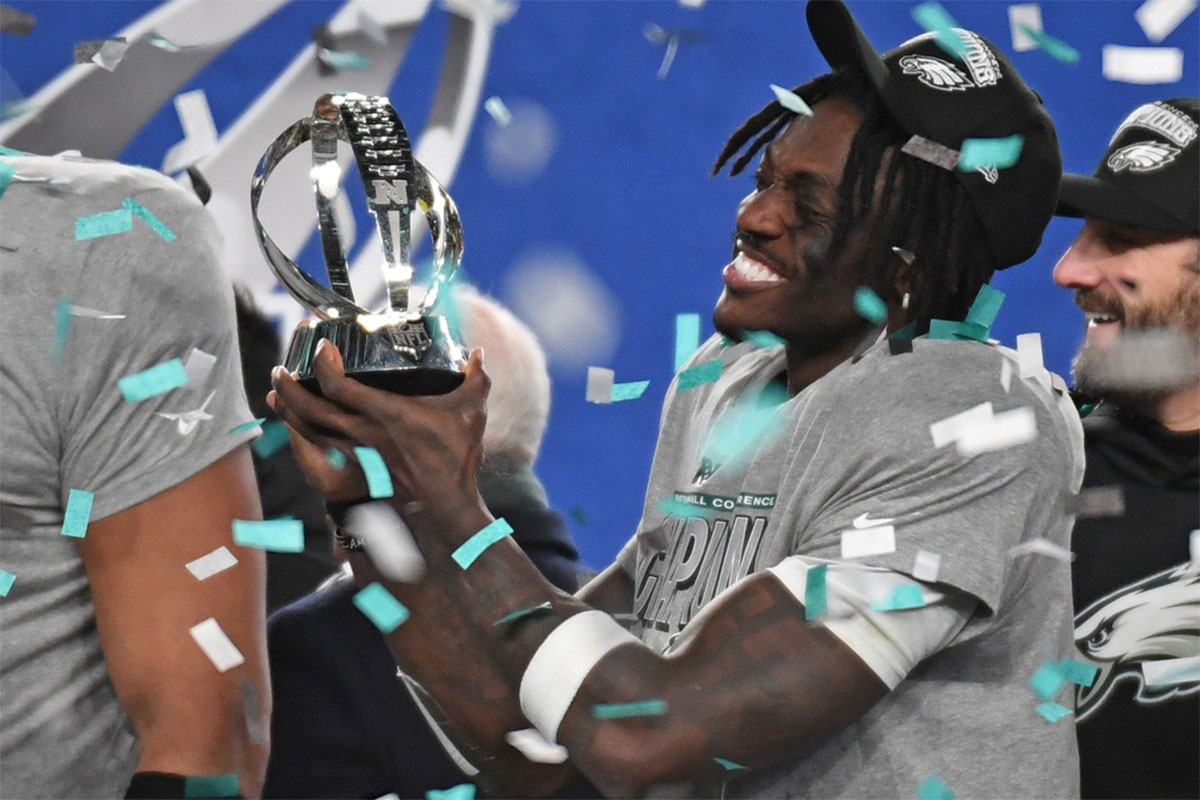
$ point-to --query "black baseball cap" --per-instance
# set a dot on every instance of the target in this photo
(944, 99)
(1149, 177)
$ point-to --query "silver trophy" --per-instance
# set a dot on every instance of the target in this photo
(403, 349)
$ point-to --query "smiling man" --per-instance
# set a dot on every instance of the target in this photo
(831, 591)
(1135, 269)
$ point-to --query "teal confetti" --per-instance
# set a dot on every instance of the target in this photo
(464, 791)
(816, 598)
(1077, 671)
(210, 786)
(154, 222)
(682, 510)
(641, 708)
(628, 391)
(901, 597)
(106, 223)
(274, 438)
(472, 548)
(909, 331)
(764, 339)
(159, 379)
(379, 480)
(8, 151)
(336, 458)
(6, 175)
(727, 764)
(687, 338)
(62, 328)
(247, 426)
(6, 582)
(1000, 153)
(79, 511)
(344, 59)
(934, 788)
(791, 101)
(578, 515)
(379, 606)
(986, 306)
(740, 432)
(1086, 409)
(1053, 712)
(523, 612)
(699, 375)
(869, 305)
(275, 535)
(960, 331)
(1047, 681)
(1055, 48)
(936, 20)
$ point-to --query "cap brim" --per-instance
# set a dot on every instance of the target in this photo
(841, 41)
(1085, 196)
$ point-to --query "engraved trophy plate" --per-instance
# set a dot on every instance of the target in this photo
(402, 349)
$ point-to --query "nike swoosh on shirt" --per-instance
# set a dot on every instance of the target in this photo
(862, 521)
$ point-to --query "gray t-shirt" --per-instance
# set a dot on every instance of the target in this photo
(64, 425)
(853, 451)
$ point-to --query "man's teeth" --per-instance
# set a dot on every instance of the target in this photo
(1097, 318)
(752, 270)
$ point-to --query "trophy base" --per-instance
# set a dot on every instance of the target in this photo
(417, 358)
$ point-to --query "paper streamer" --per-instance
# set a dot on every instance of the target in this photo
(875, 541)
(274, 438)
(535, 747)
(106, 223)
(62, 328)
(641, 708)
(247, 426)
(1159, 18)
(210, 786)
(687, 338)
(379, 480)
(1047, 681)
(727, 764)
(949, 430)
(628, 391)
(869, 306)
(600, 385)
(1055, 48)
(472, 548)
(791, 101)
(1042, 547)
(499, 112)
(6, 582)
(343, 60)
(1000, 153)
(523, 612)
(154, 381)
(275, 535)
(197, 366)
(926, 566)
(699, 375)
(816, 597)
(199, 131)
(6, 175)
(77, 514)
(255, 729)
(901, 597)
(148, 217)
(935, 19)
(1004, 430)
(1053, 712)
(1020, 16)
(463, 791)
(934, 788)
(1142, 65)
(222, 652)
(1078, 672)
(763, 339)
(206, 566)
(336, 458)
(986, 306)
(378, 605)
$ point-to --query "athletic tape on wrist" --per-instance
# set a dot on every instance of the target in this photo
(561, 664)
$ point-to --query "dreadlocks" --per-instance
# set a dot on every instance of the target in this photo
(931, 215)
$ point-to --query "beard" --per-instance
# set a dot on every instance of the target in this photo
(1155, 354)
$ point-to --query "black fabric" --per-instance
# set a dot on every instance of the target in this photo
(343, 724)
(1147, 178)
(948, 99)
(1136, 600)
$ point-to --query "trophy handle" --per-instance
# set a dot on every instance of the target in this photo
(325, 303)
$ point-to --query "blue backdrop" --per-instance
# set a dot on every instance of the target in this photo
(624, 194)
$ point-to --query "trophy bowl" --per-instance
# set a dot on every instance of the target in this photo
(406, 348)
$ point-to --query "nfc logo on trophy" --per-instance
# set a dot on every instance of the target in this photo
(391, 193)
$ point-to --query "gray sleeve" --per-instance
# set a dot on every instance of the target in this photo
(176, 298)
(878, 467)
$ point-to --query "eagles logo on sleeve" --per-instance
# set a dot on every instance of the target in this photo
(1154, 620)
(1142, 157)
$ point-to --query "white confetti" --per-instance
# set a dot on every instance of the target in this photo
(600, 385)
(199, 132)
(516, 154)
(1143, 65)
(1006, 429)
(216, 645)
(495, 108)
(1024, 14)
(535, 747)
(371, 27)
(1194, 546)
(216, 561)
(926, 565)
(197, 366)
(868, 541)
(91, 313)
(1029, 359)
(388, 541)
(691, 3)
(1043, 547)
(951, 428)
(791, 101)
(110, 53)
(255, 729)
(1006, 373)
(1171, 671)
(668, 57)
(1159, 18)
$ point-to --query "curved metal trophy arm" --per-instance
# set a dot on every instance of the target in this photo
(446, 228)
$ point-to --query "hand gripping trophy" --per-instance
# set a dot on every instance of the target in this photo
(404, 349)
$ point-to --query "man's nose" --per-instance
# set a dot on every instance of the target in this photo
(758, 214)
(1081, 267)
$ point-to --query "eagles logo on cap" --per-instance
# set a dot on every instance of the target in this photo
(1142, 157)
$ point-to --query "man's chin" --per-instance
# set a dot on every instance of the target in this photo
(1139, 368)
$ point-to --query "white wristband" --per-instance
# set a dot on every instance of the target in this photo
(561, 664)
